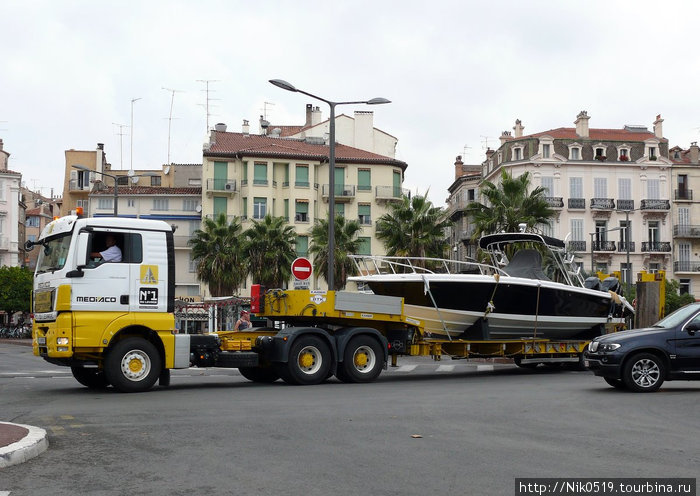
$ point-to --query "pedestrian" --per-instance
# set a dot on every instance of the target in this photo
(244, 322)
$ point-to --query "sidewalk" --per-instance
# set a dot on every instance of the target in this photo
(19, 443)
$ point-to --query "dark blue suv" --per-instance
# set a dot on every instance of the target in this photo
(642, 359)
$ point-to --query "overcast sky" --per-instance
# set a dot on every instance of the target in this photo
(458, 73)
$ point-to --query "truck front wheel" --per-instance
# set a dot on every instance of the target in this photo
(644, 373)
(362, 360)
(309, 361)
(133, 365)
(90, 377)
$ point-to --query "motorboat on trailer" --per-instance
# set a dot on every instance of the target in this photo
(519, 294)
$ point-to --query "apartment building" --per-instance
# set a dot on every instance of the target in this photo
(249, 176)
(463, 191)
(11, 214)
(610, 188)
(40, 210)
(685, 208)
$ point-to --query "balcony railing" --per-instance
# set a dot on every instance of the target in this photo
(555, 201)
(602, 204)
(73, 185)
(577, 246)
(603, 246)
(227, 185)
(577, 203)
(683, 194)
(622, 246)
(342, 191)
(686, 231)
(686, 266)
(656, 205)
(625, 204)
(390, 193)
(656, 246)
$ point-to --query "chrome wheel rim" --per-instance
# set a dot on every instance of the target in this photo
(646, 373)
(136, 365)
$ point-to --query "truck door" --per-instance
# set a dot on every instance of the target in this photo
(688, 347)
(149, 272)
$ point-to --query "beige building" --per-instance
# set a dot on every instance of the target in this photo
(599, 181)
(463, 191)
(40, 210)
(250, 176)
(685, 208)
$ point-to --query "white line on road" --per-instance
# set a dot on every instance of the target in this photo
(406, 368)
(445, 368)
(484, 368)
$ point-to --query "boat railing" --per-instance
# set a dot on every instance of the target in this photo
(382, 265)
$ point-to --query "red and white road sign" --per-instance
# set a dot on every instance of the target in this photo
(301, 268)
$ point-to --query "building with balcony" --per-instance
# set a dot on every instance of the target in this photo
(463, 191)
(610, 189)
(40, 210)
(250, 176)
(685, 208)
(11, 214)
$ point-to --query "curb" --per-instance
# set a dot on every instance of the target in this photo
(30, 446)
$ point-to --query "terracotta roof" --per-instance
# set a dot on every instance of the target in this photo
(684, 156)
(594, 135)
(8, 171)
(289, 130)
(149, 190)
(250, 145)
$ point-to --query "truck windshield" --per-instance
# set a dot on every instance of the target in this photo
(53, 253)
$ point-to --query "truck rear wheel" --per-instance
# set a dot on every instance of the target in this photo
(259, 374)
(309, 361)
(644, 373)
(362, 360)
(133, 365)
(90, 377)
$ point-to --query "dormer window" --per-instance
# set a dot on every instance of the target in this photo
(623, 154)
(546, 149)
(575, 152)
(651, 149)
(517, 153)
(499, 157)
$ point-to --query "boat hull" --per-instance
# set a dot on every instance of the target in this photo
(512, 307)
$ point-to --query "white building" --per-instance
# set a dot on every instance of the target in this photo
(11, 215)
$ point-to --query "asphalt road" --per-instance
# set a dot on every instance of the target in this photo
(213, 433)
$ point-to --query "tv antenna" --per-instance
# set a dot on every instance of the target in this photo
(121, 142)
(208, 99)
(464, 152)
(264, 109)
(131, 162)
(170, 118)
(485, 141)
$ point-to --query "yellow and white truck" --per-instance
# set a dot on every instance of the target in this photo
(113, 324)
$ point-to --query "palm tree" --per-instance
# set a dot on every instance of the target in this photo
(217, 249)
(270, 251)
(508, 205)
(414, 228)
(346, 243)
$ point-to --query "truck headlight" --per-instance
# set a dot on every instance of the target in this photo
(60, 341)
(607, 347)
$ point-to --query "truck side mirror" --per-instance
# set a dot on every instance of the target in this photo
(81, 256)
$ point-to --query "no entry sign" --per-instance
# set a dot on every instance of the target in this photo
(301, 268)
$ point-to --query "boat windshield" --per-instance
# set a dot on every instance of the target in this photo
(678, 317)
(53, 254)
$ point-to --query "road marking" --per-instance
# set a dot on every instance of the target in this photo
(484, 368)
(406, 368)
(4, 493)
(445, 368)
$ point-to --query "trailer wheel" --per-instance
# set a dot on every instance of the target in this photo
(259, 374)
(90, 378)
(362, 360)
(133, 365)
(616, 383)
(644, 373)
(309, 361)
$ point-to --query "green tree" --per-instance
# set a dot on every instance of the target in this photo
(413, 227)
(217, 249)
(15, 289)
(675, 300)
(508, 205)
(270, 251)
(346, 243)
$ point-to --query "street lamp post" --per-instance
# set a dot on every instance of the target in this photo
(331, 164)
(593, 244)
(116, 187)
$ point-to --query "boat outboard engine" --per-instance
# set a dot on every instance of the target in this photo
(592, 283)
(612, 284)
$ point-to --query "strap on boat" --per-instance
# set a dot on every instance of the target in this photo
(426, 288)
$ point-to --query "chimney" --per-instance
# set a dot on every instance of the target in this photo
(100, 146)
(315, 116)
(518, 128)
(364, 130)
(263, 126)
(246, 127)
(489, 153)
(220, 127)
(505, 136)
(309, 110)
(694, 152)
(458, 167)
(582, 124)
(658, 129)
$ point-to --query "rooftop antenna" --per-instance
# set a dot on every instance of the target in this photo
(121, 142)
(464, 153)
(485, 141)
(131, 162)
(170, 118)
(207, 90)
(264, 109)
